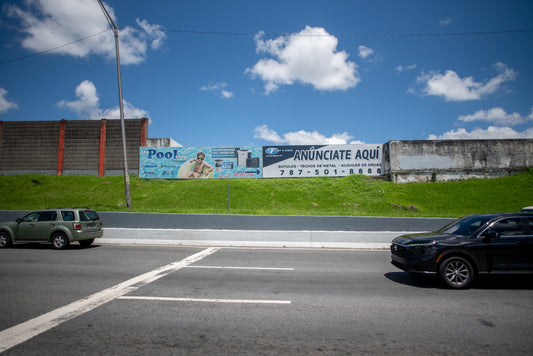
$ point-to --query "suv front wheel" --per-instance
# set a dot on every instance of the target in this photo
(456, 272)
(59, 241)
(5, 240)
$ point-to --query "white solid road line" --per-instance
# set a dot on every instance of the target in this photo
(208, 300)
(31, 328)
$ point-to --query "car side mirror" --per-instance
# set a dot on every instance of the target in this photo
(491, 234)
(18, 221)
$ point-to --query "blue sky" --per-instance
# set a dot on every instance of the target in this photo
(246, 72)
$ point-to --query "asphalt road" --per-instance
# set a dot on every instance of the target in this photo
(258, 222)
(256, 230)
(143, 300)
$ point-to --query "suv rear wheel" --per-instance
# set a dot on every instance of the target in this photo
(59, 241)
(456, 272)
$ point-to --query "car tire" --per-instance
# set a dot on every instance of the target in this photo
(5, 240)
(86, 243)
(456, 272)
(59, 241)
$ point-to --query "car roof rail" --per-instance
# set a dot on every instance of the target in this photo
(68, 207)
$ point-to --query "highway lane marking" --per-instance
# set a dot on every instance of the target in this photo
(246, 268)
(207, 300)
(24, 331)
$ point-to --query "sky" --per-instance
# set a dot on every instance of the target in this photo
(286, 72)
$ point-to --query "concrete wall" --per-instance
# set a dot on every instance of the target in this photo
(442, 160)
(18, 153)
(70, 147)
(94, 147)
(134, 139)
(82, 143)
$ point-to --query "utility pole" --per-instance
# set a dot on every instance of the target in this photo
(123, 126)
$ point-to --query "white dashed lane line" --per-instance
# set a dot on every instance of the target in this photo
(22, 332)
(218, 300)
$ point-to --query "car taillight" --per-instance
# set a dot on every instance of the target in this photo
(101, 225)
(76, 226)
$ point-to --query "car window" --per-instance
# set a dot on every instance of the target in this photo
(48, 216)
(88, 215)
(31, 217)
(508, 227)
(529, 225)
(67, 215)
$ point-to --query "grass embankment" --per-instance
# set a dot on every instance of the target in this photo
(353, 195)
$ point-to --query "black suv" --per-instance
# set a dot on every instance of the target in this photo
(474, 244)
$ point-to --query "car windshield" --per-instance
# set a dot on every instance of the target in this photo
(466, 226)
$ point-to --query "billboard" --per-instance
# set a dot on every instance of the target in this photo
(200, 162)
(322, 160)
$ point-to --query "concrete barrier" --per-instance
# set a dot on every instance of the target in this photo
(252, 238)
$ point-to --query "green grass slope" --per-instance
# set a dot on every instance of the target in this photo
(353, 195)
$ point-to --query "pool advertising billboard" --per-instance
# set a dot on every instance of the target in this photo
(200, 162)
(322, 160)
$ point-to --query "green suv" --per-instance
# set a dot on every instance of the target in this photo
(58, 226)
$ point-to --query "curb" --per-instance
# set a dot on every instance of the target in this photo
(252, 238)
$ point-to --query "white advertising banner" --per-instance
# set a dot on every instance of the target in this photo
(322, 160)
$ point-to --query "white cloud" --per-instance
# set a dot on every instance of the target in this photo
(88, 107)
(500, 129)
(5, 103)
(302, 137)
(445, 22)
(496, 116)
(307, 57)
(264, 133)
(87, 104)
(49, 24)
(402, 68)
(154, 33)
(453, 88)
(365, 52)
(130, 112)
(492, 132)
(226, 94)
(218, 88)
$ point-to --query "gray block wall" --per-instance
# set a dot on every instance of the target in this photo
(82, 147)
(33, 146)
(114, 150)
(29, 147)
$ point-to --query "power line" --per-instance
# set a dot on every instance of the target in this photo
(445, 34)
(249, 34)
(53, 49)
